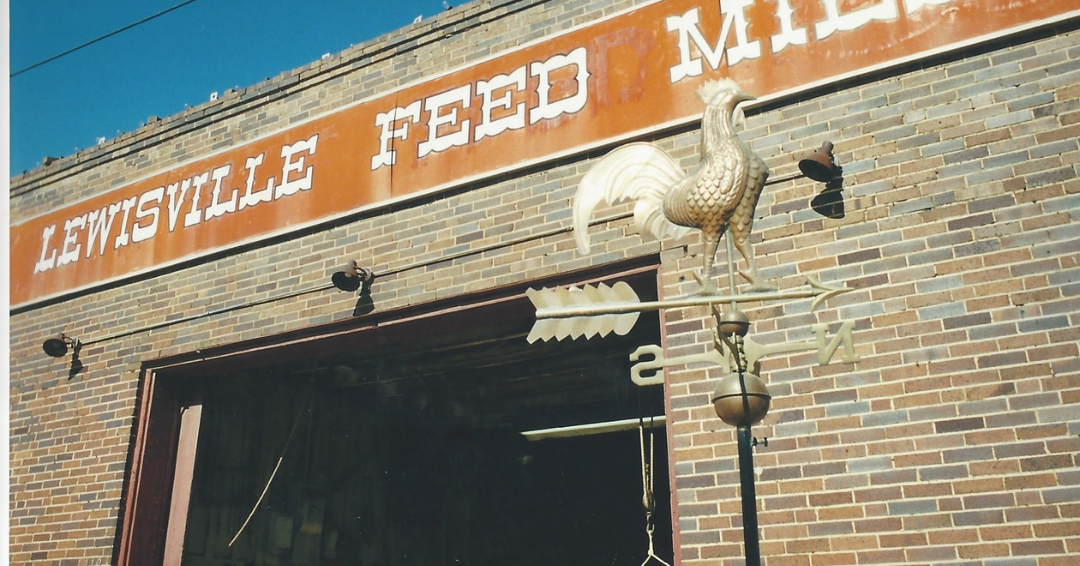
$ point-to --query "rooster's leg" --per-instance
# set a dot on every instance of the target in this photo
(742, 243)
(704, 279)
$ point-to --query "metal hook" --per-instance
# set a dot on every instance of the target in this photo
(652, 553)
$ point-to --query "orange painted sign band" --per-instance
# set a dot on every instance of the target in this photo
(609, 80)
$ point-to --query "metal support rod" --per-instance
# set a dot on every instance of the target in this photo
(731, 267)
(590, 429)
(692, 301)
(749, 497)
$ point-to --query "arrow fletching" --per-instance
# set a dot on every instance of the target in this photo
(565, 312)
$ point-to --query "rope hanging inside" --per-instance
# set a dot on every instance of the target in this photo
(648, 498)
(273, 474)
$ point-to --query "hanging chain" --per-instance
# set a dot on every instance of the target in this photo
(648, 499)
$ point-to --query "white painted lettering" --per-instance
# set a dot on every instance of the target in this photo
(218, 208)
(176, 202)
(252, 198)
(69, 254)
(735, 11)
(547, 109)
(689, 32)
(123, 238)
(789, 34)
(288, 187)
(194, 216)
(834, 21)
(99, 225)
(458, 132)
(141, 232)
(913, 5)
(489, 126)
(687, 27)
(46, 263)
(386, 120)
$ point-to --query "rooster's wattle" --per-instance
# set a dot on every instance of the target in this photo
(722, 191)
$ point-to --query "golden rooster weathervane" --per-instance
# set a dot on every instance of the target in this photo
(720, 193)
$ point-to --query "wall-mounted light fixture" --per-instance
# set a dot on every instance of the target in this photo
(349, 279)
(820, 165)
(352, 278)
(58, 347)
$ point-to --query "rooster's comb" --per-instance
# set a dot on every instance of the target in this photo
(708, 91)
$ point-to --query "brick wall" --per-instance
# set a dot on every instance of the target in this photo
(954, 440)
(70, 435)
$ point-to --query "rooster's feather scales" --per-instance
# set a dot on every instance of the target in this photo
(720, 193)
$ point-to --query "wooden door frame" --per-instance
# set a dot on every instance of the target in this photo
(157, 425)
(155, 503)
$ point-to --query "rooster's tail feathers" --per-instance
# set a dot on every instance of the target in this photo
(638, 171)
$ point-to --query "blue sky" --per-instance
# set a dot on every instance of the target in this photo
(157, 68)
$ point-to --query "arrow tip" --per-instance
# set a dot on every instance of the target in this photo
(825, 292)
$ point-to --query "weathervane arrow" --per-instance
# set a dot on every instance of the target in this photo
(568, 300)
(600, 310)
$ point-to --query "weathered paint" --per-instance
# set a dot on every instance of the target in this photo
(594, 84)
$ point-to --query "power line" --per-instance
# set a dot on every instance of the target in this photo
(106, 36)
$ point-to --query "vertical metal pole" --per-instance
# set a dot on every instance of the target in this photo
(732, 288)
(749, 497)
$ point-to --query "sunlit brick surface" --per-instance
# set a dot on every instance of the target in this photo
(955, 439)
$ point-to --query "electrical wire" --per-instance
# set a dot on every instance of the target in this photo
(409, 267)
(106, 36)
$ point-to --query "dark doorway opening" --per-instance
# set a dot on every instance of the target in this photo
(405, 448)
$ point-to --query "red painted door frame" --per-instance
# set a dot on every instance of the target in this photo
(169, 411)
